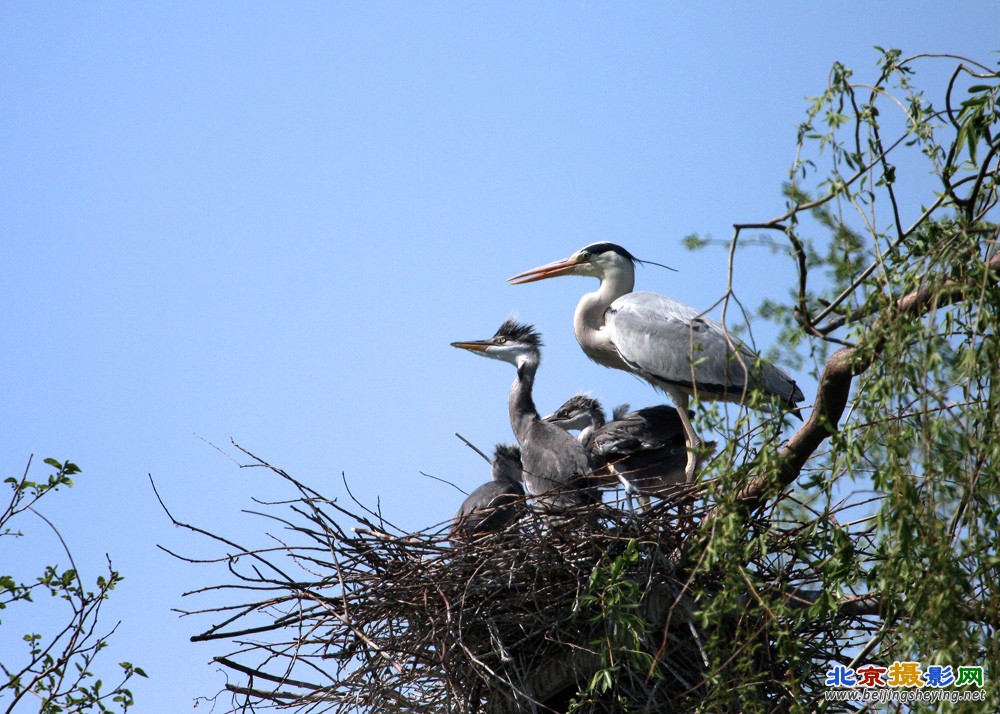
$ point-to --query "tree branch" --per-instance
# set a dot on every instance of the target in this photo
(835, 384)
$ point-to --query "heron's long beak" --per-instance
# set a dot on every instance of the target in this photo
(478, 346)
(552, 270)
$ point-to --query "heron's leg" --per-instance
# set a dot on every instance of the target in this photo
(693, 441)
(628, 490)
(626, 484)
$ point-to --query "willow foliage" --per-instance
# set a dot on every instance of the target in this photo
(891, 489)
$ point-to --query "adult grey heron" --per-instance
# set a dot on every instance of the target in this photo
(645, 450)
(494, 505)
(555, 465)
(670, 345)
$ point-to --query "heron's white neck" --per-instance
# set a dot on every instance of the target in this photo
(588, 320)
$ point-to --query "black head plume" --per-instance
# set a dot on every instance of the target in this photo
(605, 247)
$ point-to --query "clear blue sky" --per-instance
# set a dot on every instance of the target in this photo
(267, 222)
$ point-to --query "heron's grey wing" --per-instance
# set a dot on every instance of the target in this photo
(554, 459)
(490, 507)
(667, 341)
(645, 429)
(480, 498)
(766, 377)
(672, 343)
(655, 472)
(600, 475)
(656, 426)
(614, 441)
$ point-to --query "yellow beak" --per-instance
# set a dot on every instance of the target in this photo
(479, 346)
(552, 270)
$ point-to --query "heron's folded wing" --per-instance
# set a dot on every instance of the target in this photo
(672, 343)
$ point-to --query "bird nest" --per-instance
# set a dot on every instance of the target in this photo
(344, 612)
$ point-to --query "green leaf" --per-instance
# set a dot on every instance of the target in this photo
(694, 241)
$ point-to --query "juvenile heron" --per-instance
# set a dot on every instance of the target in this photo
(668, 344)
(555, 465)
(643, 449)
(495, 504)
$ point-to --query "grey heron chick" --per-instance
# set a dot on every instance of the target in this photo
(667, 343)
(644, 449)
(556, 468)
(495, 504)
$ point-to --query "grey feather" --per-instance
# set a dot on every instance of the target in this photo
(670, 343)
(497, 503)
(646, 448)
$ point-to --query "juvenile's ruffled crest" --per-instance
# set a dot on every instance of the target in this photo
(507, 452)
(514, 330)
(583, 403)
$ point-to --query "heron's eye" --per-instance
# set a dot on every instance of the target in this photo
(584, 257)
(563, 414)
(501, 340)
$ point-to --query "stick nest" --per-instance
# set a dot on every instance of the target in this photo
(344, 612)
